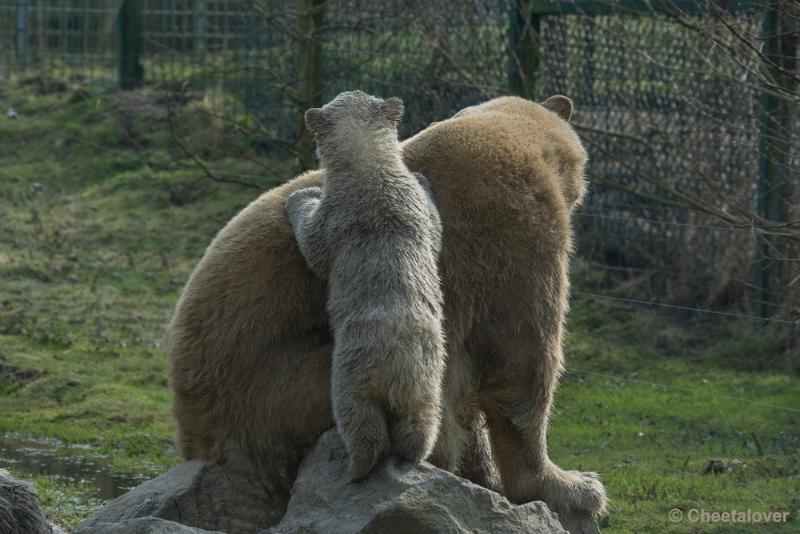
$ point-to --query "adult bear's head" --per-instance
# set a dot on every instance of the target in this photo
(511, 134)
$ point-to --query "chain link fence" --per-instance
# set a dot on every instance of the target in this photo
(691, 124)
(71, 38)
(672, 108)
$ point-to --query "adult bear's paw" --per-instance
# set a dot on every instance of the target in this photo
(572, 492)
(586, 493)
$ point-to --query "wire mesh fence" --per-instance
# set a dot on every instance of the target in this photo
(654, 101)
(69, 38)
(672, 101)
(671, 107)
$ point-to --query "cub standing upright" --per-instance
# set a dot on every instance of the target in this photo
(373, 231)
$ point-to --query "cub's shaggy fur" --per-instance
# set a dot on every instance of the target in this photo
(250, 343)
(373, 232)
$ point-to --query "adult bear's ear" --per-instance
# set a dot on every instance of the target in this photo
(315, 120)
(560, 105)
(393, 108)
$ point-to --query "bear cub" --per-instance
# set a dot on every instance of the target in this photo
(372, 230)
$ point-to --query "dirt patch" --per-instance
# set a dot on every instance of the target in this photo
(144, 104)
(43, 84)
(12, 374)
(18, 374)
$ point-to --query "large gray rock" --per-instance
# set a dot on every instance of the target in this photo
(399, 497)
(197, 494)
(20, 512)
(144, 525)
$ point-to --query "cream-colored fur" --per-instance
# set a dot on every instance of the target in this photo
(373, 232)
(250, 344)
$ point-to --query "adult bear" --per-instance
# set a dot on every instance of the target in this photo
(250, 344)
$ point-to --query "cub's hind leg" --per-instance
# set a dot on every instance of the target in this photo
(362, 426)
(416, 397)
(414, 432)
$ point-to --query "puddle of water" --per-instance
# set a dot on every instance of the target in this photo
(65, 462)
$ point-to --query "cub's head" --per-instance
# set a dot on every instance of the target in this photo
(354, 123)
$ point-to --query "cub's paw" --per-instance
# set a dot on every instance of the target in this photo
(303, 195)
(301, 200)
(363, 462)
(413, 439)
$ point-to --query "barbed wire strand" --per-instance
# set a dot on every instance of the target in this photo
(686, 308)
(753, 230)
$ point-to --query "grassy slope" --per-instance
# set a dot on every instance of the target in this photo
(99, 232)
(99, 229)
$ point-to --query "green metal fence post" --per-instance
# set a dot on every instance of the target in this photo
(780, 51)
(131, 44)
(523, 48)
(22, 34)
(200, 25)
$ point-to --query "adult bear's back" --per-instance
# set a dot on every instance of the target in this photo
(506, 175)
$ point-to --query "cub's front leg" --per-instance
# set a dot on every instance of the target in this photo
(302, 208)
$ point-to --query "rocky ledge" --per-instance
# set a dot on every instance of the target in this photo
(398, 497)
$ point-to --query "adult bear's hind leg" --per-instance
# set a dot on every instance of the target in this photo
(517, 402)
(477, 463)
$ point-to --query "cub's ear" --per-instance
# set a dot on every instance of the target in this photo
(560, 105)
(393, 108)
(316, 120)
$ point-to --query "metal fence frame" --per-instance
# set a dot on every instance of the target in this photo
(147, 38)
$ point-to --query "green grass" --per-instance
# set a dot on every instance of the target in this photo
(65, 503)
(100, 224)
(102, 220)
(652, 429)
